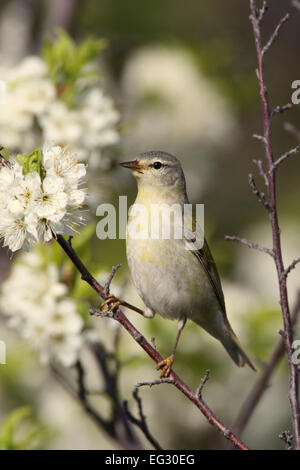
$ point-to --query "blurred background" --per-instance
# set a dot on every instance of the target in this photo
(157, 75)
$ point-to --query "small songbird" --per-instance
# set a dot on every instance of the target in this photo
(174, 279)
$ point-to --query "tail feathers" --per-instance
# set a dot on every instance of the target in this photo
(235, 351)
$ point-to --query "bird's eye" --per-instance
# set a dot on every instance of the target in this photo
(157, 165)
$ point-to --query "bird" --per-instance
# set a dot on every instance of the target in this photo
(175, 277)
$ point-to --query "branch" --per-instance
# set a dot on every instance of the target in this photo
(290, 267)
(261, 196)
(287, 438)
(275, 34)
(202, 383)
(110, 278)
(262, 383)
(119, 316)
(112, 427)
(254, 246)
(262, 172)
(285, 156)
(281, 109)
(141, 422)
(272, 210)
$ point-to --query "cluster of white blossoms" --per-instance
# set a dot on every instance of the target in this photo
(40, 196)
(37, 305)
(34, 112)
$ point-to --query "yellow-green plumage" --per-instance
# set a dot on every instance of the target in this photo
(174, 279)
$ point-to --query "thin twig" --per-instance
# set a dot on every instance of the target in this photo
(290, 267)
(262, 172)
(119, 316)
(254, 246)
(287, 438)
(281, 109)
(261, 196)
(141, 422)
(262, 11)
(166, 380)
(285, 156)
(259, 137)
(110, 278)
(262, 383)
(275, 34)
(272, 202)
(202, 383)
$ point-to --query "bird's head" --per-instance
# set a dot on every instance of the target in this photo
(158, 170)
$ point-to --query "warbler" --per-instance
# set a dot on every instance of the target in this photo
(173, 278)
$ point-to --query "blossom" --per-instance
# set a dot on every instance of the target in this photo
(35, 208)
(29, 92)
(36, 303)
(35, 111)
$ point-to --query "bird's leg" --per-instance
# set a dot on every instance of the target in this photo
(115, 302)
(166, 364)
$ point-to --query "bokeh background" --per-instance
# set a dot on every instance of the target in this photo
(178, 77)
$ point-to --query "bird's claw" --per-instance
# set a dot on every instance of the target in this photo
(165, 366)
(111, 299)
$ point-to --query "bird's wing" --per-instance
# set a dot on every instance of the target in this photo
(207, 262)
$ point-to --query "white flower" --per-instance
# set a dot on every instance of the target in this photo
(53, 198)
(35, 96)
(35, 302)
(32, 67)
(62, 125)
(60, 161)
(35, 209)
(13, 230)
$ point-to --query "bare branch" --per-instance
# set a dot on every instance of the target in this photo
(281, 109)
(285, 156)
(262, 383)
(254, 246)
(202, 383)
(119, 316)
(259, 137)
(262, 172)
(166, 380)
(141, 422)
(287, 438)
(261, 196)
(110, 278)
(290, 267)
(275, 34)
(262, 11)
(272, 209)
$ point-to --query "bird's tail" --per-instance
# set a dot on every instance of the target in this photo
(234, 349)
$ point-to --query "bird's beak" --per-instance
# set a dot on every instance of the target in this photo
(134, 165)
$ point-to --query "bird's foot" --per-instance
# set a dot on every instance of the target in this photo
(165, 366)
(111, 299)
